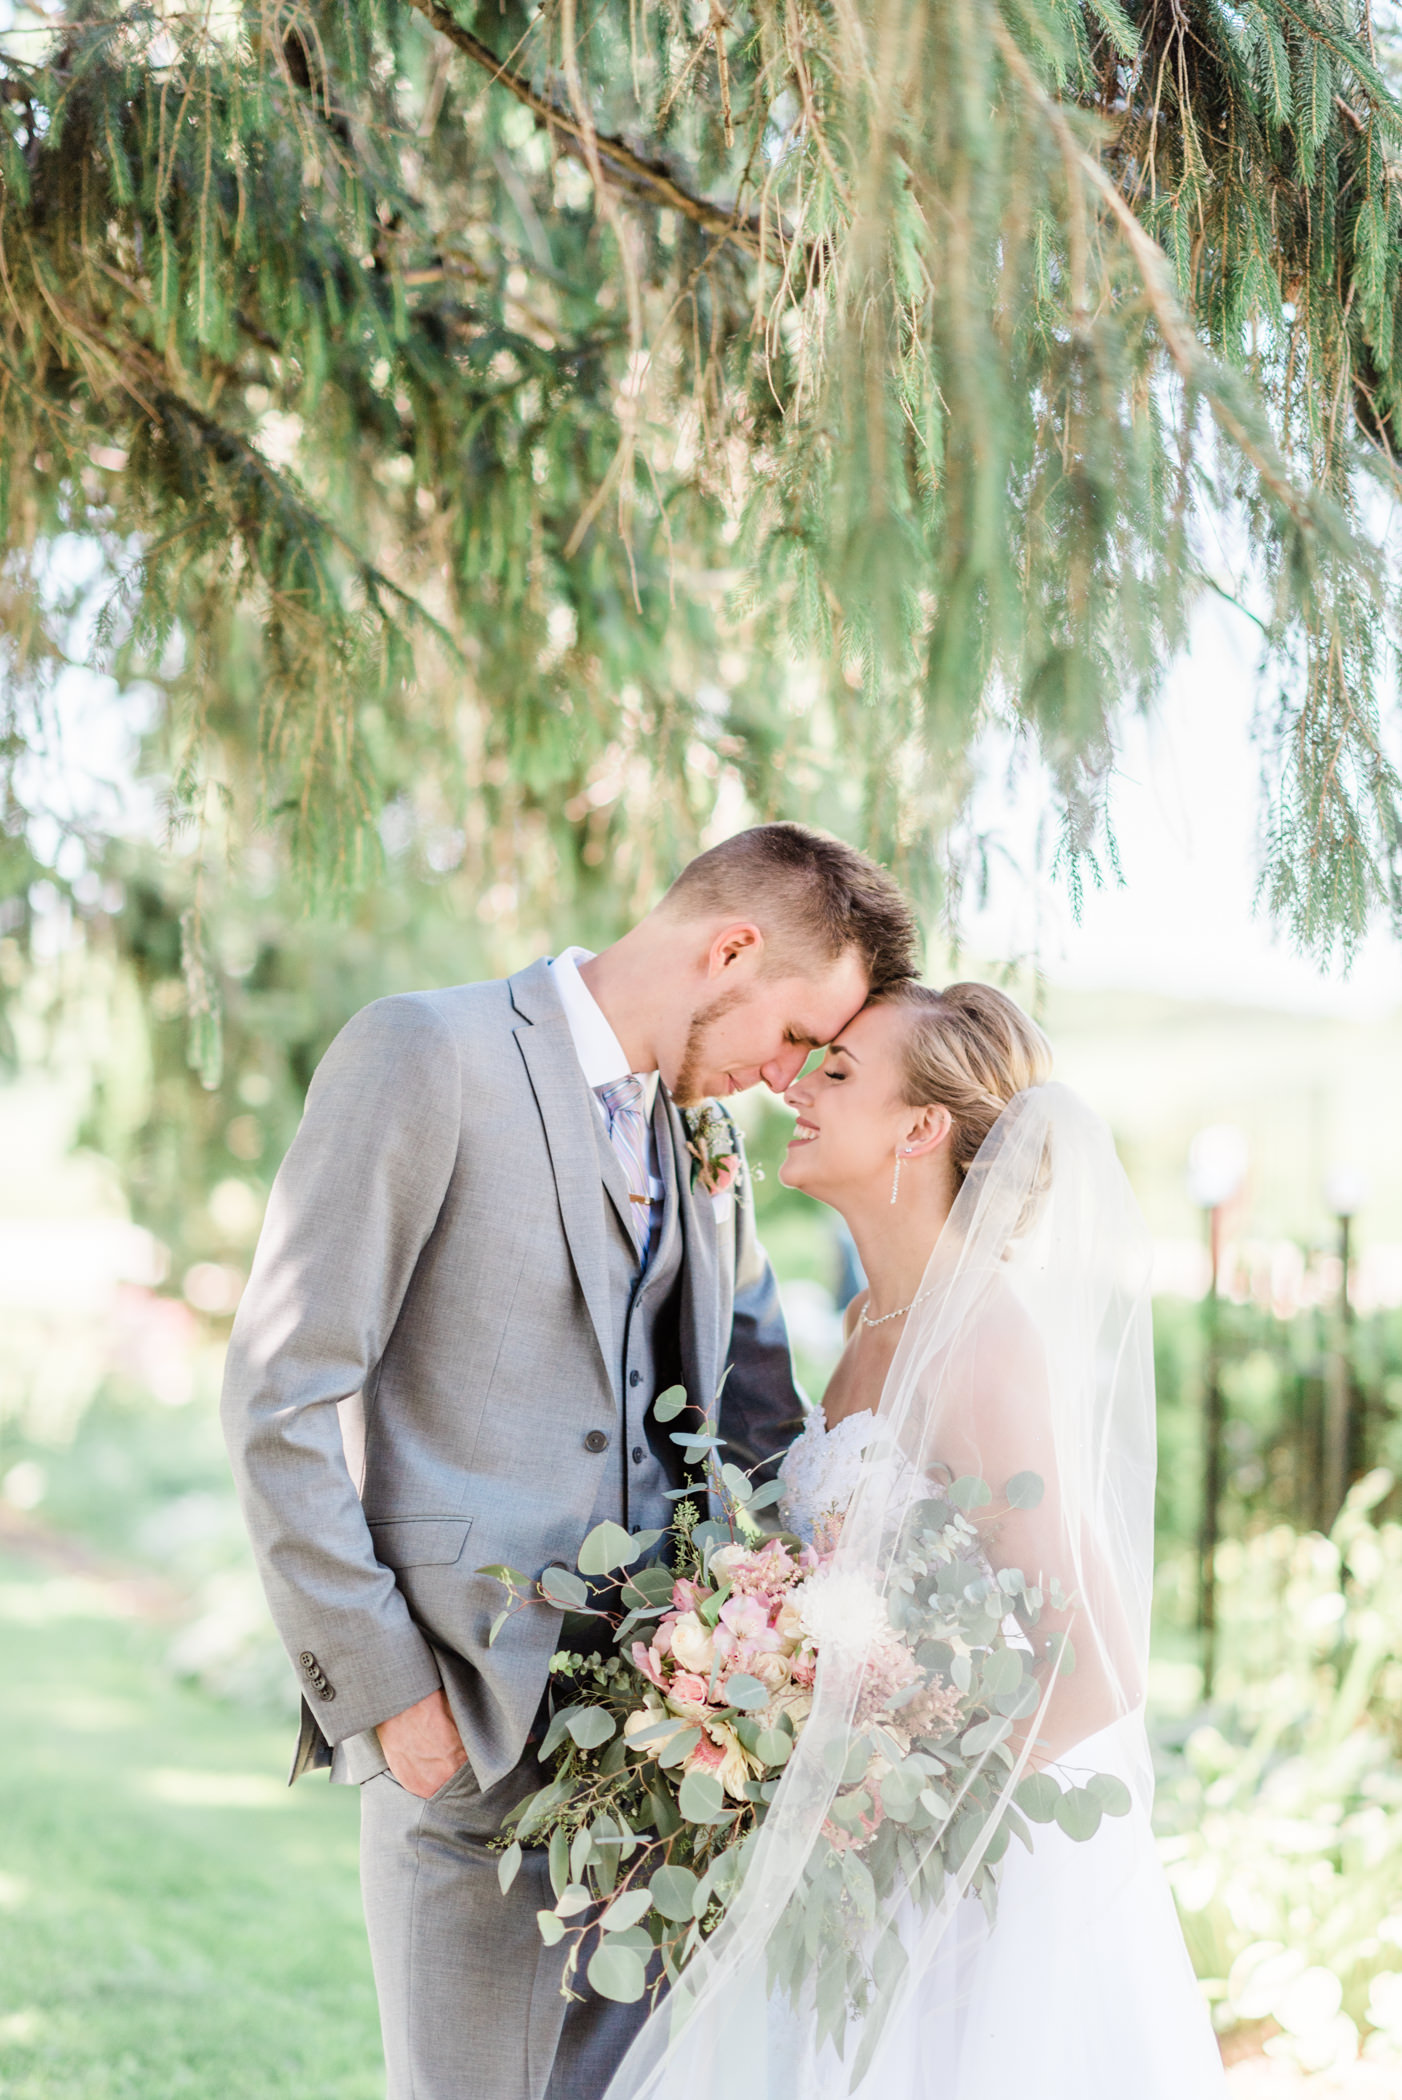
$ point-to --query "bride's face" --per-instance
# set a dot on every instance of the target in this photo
(850, 1113)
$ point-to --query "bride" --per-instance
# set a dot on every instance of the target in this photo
(1003, 1338)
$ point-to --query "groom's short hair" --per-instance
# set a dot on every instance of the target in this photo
(812, 896)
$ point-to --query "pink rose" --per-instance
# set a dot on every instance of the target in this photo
(693, 1689)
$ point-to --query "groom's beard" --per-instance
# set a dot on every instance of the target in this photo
(689, 1088)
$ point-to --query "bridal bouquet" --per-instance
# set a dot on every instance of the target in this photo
(665, 1755)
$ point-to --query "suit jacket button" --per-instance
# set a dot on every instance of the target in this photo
(635, 1378)
(325, 1690)
(597, 1440)
(307, 1659)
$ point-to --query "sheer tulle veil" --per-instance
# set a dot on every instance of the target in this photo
(1029, 1351)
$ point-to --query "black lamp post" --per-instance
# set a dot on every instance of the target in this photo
(1216, 1169)
(1345, 1193)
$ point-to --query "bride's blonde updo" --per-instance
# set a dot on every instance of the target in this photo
(969, 1049)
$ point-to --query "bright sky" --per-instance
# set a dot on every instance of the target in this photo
(1186, 807)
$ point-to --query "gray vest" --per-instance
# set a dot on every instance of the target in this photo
(645, 1357)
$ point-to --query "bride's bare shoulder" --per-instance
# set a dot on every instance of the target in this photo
(1007, 1335)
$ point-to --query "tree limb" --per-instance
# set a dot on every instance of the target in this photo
(619, 162)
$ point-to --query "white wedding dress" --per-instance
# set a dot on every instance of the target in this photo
(1025, 1367)
(1084, 1990)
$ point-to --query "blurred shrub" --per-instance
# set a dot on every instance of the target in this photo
(1282, 1820)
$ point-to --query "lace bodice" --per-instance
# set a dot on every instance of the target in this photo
(820, 1469)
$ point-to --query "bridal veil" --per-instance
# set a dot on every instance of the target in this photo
(1028, 1357)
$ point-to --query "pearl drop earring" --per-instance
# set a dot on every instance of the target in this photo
(896, 1177)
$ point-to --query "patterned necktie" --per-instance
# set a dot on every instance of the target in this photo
(623, 1105)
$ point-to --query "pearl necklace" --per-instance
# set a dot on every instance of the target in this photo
(864, 1318)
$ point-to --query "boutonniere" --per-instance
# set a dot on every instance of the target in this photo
(711, 1141)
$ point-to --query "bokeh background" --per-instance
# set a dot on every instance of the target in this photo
(174, 1921)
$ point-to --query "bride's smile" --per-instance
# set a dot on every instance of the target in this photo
(852, 1120)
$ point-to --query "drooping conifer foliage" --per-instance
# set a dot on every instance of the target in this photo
(537, 414)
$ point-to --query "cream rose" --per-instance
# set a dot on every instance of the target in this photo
(693, 1645)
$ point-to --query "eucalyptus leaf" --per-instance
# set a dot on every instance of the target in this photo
(746, 1693)
(659, 1731)
(1078, 1812)
(667, 1406)
(679, 1746)
(765, 1497)
(495, 1628)
(1021, 1701)
(638, 1938)
(673, 1889)
(628, 1909)
(552, 1929)
(618, 1973)
(572, 1899)
(970, 1492)
(774, 1746)
(1037, 1795)
(590, 1726)
(1025, 1490)
(701, 1797)
(1112, 1794)
(558, 1859)
(555, 1733)
(565, 1589)
(606, 1547)
(737, 1482)
(505, 1574)
(581, 1852)
(509, 1866)
(900, 1793)
(1002, 1672)
(984, 1736)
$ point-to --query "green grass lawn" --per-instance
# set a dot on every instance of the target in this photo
(172, 1920)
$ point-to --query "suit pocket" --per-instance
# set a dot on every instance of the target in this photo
(419, 1542)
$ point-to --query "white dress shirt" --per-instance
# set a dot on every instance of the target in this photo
(601, 1055)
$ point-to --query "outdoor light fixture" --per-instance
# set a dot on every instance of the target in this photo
(1345, 1192)
(1216, 1165)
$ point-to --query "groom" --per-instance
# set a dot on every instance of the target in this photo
(488, 1249)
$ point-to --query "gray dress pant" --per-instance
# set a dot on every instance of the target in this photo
(470, 2002)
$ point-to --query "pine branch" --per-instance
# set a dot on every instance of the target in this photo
(1195, 364)
(145, 380)
(628, 169)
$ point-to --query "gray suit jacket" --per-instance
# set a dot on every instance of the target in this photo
(433, 1263)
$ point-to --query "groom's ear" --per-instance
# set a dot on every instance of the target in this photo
(931, 1128)
(731, 944)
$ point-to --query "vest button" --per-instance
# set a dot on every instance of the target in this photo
(635, 1378)
(597, 1440)
(637, 1454)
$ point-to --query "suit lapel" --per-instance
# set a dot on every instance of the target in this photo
(614, 1178)
(569, 1117)
(700, 1275)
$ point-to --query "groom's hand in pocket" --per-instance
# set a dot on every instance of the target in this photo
(422, 1746)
